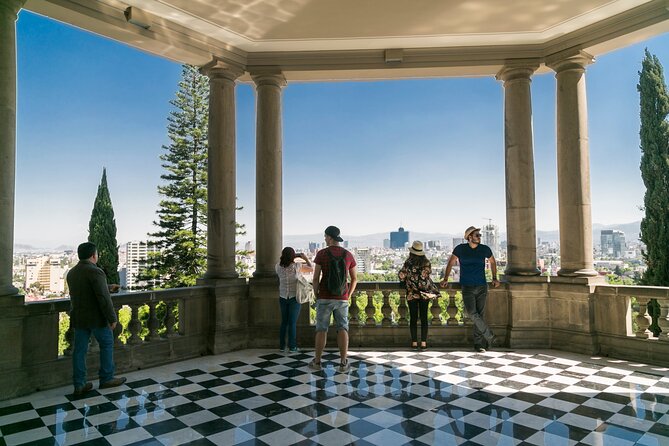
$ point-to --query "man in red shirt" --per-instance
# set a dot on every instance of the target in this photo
(332, 265)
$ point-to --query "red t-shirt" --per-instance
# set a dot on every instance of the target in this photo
(323, 259)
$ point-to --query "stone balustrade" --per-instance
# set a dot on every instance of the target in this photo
(172, 325)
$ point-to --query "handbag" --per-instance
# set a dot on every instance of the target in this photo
(304, 291)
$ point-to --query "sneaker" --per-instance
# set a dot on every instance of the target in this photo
(313, 365)
(114, 382)
(85, 388)
(344, 366)
(480, 349)
(282, 350)
(294, 350)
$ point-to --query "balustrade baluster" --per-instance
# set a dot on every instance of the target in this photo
(435, 309)
(663, 320)
(119, 327)
(402, 309)
(69, 338)
(170, 320)
(386, 310)
(353, 310)
(153, 322)
(643, 320)
(135, 325)
(369, 309)
(451, 309)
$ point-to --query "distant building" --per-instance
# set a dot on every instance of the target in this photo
(490, 237)
(386, 243)
(46, 271)
(313, 247)
(248, 246)
(136, 257)
(433, 244)
(458, 241)
(612, 243)
(363, 259)
(399, 239)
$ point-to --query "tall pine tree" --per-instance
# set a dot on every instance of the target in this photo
(182, 214)
(654, 135)
(102, 231)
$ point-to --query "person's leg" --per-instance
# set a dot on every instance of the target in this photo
(424, 305)
(413, 321)
(81, 338)
(283, 306)
(340, 313)
(105, 339)
(482, 332)
(481, 299)
(293, 313)
(323, 313)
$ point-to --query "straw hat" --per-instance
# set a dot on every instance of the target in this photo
(469, 231)
(417, 248)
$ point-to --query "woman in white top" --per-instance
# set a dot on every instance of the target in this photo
(287, 270)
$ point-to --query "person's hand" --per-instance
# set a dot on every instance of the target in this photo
(114, 287)
(495, 283)
(112, 326)
(443, 283)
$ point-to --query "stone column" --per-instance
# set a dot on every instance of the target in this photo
(573, 162)
(519, 169)
(9, 10)
(268, 172)
(222, 178)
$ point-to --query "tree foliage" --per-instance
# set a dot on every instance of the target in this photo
(181, 238)
(654, 134)
(102, 231)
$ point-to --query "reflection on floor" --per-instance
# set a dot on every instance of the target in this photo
(388, 398)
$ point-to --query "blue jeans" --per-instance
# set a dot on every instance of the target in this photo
(290, 310)
(105, 338)
(474, 297)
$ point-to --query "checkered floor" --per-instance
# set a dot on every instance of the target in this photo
(258, 397)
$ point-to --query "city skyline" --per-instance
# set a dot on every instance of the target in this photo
(112, 113)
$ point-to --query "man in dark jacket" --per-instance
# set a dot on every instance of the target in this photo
(91, 312)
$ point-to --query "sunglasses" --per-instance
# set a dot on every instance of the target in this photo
(476, 235)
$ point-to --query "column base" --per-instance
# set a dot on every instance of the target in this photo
(264, 274)
(222, 275)
(566, 272)
(522, 272)
(8, 290)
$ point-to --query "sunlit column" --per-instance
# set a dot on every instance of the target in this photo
(519, 169)
(9, 10)
(222, 177)
(573, 162)
(268, 172)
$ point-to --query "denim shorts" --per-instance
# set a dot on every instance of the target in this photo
(331, 307)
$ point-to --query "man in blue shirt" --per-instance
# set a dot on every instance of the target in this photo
(472, 256)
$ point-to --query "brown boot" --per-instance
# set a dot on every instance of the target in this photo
(114, 382)
(81, 390)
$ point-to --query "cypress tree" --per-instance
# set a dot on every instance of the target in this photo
(654, 135)
(181, 239)
(102, 231)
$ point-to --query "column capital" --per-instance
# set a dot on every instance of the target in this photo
(219, 69)
(569, 60)
(517, 70)
(13, 6)
(273, 78)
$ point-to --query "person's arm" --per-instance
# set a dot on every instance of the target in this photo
(447, 273)
(493, 270)
(304, 257)
(354, 281)
(101, 291)
(317, 279)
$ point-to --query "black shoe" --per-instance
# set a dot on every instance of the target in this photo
(81, 390)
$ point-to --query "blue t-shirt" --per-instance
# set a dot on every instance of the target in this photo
(472, 263)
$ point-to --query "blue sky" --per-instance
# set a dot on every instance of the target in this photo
(427, 154)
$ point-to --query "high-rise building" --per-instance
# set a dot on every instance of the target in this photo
(46, 271)
(386, 243)
(490, 237)
(612, 243)
(363, 260)
(433, 244)
(136, 256)
(399, 239)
